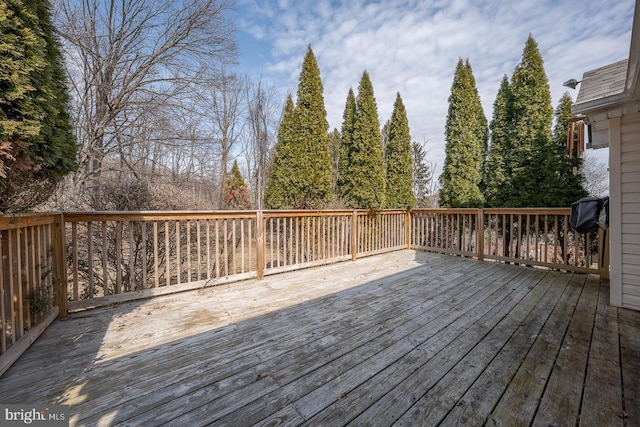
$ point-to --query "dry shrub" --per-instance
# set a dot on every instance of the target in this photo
(123, 195)
(126, 194)
(167, 196)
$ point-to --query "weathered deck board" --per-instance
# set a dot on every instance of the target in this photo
(442, 349)
(375, 373)
(520, 401)
(408, 338)
(448, 393)
(630, 360)
(473, 404)
(563, 393)
(303, 337)
(305, 368)
(254, 391)
(603, 386)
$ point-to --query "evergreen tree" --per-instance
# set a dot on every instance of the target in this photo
(498, 170)
(466, 134)
(384, 135)
(398, 160)
(335, 143)
(366, 175)
(314, 167)
(344, 183)
(532, 117)
(281, 177)
(235, 191)
(304, 171)
(564, 179)
(36, 143)
(422, 176)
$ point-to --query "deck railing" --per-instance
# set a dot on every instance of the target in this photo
(32, 263)
(297, 239)
(114, 256)
(535, 237)
(53, 263)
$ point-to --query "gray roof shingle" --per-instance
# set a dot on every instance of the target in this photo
(603, 82)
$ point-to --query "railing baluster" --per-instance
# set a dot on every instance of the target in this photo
(131, 285)
(225, 246)
(167, 254)
(188, 249)
(3, 308)
(143, 232)
(156, 278)
(198, 250)
(12, 283)
(178, 252)
(118, 248)
(217, 240)
(250, 238)
(260, 245)
(74, 257)
(277, 231)
(234, 265)
(105, 273)
(90, 279)
(207, 227)
(242, 265)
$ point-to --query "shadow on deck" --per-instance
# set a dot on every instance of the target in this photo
(405, 338)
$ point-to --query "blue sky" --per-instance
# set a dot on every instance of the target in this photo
(412, 47)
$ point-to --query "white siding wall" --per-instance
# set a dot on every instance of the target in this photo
(629, 211)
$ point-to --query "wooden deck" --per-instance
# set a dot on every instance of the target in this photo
(406, 338)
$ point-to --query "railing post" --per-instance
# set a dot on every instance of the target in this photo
(407, 229)
(603, 254)
(60, 262)
(354, 235)
(260, 245)
(480, 231)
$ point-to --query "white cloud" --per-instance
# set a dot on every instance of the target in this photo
(412, 47)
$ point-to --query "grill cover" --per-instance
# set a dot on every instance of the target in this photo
(585, 214)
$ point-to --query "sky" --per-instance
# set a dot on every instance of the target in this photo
(412, 47)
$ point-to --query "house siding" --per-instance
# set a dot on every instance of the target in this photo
(629, 211)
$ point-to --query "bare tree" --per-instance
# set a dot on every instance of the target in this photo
(226, 113)
(128, 60)
(596, 176)
(262, 124)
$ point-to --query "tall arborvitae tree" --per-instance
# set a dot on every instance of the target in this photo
(384, 135)
(398, 160)
(36, 143)
(466, 133)
(366, 175)
(532, 117)
(314, 170)
(281, 178)
(344, 183)
(335, 142)
(309, 161)
(564, 179)
(498, 171)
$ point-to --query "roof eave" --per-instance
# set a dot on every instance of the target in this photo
(601, 103)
